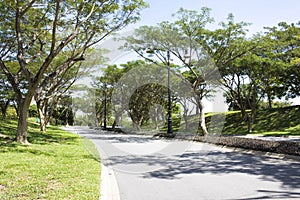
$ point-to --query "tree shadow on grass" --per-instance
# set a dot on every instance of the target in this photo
(53, 136)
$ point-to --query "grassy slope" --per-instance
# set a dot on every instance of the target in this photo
(58, 165)
(269, 122)
(276, 122)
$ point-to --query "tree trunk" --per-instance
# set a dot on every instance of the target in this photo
(250, 125)
(202, 118)
(118, 116)
(250, 122)
(4, 108)
(186, 121)
(16, 109)
(23, 108)
(67, 119)
(156, 123)
(41, 114)
(269, 100)
(52, 107)
(114, 124)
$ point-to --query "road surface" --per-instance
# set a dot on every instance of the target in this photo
(143, 168)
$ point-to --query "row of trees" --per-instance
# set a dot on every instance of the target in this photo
(42, 44)
(250, 70)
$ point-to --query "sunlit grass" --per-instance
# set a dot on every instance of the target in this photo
(57, 165)
(268, 122)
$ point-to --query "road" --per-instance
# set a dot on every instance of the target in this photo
(143, 168)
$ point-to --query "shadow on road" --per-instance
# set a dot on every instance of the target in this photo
(206, 161)
(268, 194)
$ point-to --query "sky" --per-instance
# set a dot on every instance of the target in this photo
(260, 13)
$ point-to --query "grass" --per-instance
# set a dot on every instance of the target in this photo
(269, 122)
(57, 165)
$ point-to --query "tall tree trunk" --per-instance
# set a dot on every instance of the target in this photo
(16, 109)
(202, 118)
(41, 113)
(250, 123)
(52, 107)
(251, 118)
(156, 122)
(4, 108)
(23, 111)
(186, 121)
(269, 100)
(117, 119)
(67, 119)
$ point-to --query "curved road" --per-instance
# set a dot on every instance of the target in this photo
(143, 168)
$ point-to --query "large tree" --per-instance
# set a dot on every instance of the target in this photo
(34, 35)
(286, 49)
(180, 39)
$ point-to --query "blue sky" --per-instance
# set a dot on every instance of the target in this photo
(258, 12)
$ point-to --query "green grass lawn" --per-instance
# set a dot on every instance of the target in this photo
(269, 122)
(57, 165)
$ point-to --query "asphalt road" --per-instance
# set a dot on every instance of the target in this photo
(143, 168)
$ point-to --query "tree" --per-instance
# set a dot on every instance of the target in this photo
(58, 81)
(228, 46)
(286, 49)
(184, 39)
(34, 37)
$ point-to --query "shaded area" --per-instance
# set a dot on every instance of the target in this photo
(205, 161)
(216, 162)
(268, 194)
(54, 136)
